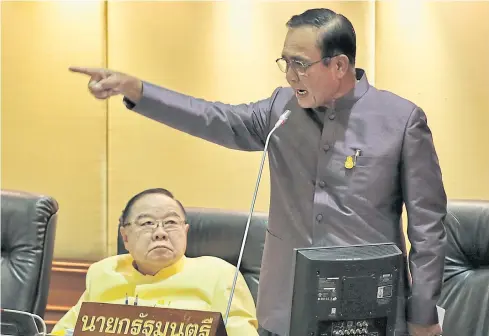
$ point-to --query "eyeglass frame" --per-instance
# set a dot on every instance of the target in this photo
(305, 66)
(140, 227)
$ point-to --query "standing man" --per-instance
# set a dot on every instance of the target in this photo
(341, 168)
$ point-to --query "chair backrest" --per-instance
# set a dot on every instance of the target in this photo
(465, 292)
(28, 232)
(219, 233)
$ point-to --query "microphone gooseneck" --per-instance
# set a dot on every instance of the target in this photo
(283, 118)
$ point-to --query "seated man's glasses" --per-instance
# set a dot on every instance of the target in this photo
(148, 224)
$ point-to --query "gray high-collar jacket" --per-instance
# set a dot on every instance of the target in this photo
(315, 200)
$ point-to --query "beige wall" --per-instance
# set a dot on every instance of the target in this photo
(442, 64)
(93, 156)
(53, 134)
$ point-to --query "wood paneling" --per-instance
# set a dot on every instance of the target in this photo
(66, 287)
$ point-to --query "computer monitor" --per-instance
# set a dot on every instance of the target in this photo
(350, 290)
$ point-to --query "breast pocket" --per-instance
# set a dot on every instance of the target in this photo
(374, 178)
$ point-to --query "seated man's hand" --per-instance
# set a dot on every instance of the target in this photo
(421, 330)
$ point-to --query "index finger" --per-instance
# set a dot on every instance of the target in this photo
(87, 71)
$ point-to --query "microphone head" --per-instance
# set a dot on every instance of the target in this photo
(283, 118)
(285, 115)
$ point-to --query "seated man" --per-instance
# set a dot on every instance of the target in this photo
(157, 273)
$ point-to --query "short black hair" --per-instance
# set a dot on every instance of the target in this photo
(339, 36)
(127, 209)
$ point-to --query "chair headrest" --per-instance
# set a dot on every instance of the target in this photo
(28, 229)
(20, 212)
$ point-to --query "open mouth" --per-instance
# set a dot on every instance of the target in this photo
(301, 92)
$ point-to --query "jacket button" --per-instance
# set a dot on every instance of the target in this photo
(322, 184)
(332, 116)
(326, 148)
(319, 217)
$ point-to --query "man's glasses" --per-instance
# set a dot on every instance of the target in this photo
(299, 67)
(152, 224)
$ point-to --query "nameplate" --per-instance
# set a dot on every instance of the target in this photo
(97, 319)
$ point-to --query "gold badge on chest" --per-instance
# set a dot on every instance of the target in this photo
(351, 160)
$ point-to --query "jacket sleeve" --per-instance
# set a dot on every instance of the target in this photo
(244, 127)
(426, 203)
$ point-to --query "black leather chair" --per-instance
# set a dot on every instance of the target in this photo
(219, 233)
(465, 293)
(28, 232)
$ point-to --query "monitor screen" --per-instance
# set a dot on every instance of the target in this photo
(350, 290)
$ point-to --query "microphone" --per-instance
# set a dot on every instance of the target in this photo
(281, 120)
(16, 316)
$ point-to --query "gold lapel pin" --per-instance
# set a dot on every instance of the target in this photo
(351, 161)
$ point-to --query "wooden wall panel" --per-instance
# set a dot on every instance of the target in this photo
(66, 287)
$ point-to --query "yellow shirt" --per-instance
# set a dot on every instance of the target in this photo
(202, 283)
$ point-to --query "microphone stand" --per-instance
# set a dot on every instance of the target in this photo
(283, 118)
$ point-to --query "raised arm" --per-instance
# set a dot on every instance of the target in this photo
(243, 126)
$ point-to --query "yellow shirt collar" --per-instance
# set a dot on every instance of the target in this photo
(166, 272)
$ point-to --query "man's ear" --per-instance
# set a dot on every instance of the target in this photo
(186, 228)
(122, 230)
(342, 65)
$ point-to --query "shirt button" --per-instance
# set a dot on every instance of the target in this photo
(332, 116)
(319, 217)
(322, 184)
(326, 148)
